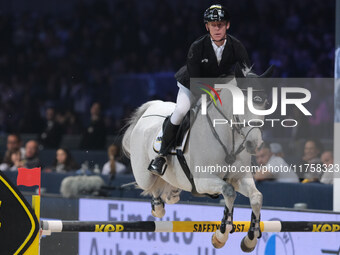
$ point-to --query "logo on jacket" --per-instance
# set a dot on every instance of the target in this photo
(205, 60)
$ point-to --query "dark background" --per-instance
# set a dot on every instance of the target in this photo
(69, 54)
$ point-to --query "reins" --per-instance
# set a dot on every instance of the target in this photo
(230, 157)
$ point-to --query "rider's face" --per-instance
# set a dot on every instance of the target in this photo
(217, 29)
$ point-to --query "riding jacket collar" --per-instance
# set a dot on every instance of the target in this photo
(218, 49)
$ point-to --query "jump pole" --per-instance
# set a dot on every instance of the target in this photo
(54, 226)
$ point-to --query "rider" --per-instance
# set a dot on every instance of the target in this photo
(212, 55)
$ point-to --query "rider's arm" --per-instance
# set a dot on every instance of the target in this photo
(194, 61)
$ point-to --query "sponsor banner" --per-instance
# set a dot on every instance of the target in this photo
(196, 243)
(19, 225)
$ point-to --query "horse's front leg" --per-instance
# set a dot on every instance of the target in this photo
(220, 237)
(249, 242)
(215, 185)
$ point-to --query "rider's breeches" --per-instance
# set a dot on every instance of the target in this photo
(183, 103)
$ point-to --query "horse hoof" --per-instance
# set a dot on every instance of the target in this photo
(216, 243)
(159, 213)
(172, 200)
(245, 248)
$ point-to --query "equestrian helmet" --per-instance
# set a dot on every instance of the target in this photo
(216, 12)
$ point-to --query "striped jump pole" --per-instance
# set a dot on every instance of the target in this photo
(49, 227)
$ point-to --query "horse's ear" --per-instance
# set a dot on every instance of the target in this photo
(268, 73)
(238, 71)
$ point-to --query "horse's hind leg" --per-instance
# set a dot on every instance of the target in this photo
(248, 188)
(170, 194)
(157, 206)
(157, 202)
(218, 186)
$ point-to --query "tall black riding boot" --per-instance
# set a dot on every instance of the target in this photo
(158, 166)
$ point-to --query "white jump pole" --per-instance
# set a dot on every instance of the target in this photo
(49, 227)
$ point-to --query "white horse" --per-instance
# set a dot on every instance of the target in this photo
(143, 128)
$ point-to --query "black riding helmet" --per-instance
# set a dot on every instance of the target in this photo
(216, 12)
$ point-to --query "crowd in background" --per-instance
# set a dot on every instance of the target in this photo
(18, 155)
(68, 62)
(314, 164)
(57, 71)
(311, 163)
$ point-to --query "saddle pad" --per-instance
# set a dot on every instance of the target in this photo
(158, 142)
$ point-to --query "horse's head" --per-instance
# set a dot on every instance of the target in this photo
(254, 86)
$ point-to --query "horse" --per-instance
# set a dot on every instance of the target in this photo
(146, 122)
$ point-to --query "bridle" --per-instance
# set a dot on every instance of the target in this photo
(231, 156)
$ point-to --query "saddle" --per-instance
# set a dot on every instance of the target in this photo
(181, 136)
(180, 144)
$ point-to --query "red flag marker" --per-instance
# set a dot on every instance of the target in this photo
(29, 177)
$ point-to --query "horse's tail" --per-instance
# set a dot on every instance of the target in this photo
(131, 123)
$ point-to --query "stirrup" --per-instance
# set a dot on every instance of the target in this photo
(158, 165)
